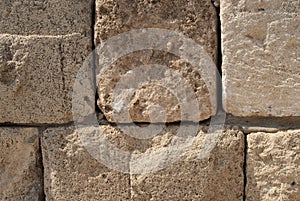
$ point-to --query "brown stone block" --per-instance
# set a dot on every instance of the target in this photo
(37, 74)
(273, 166)
(50, 17)
(71, 173)
(195, 20)
(219, 176)
(20, 164)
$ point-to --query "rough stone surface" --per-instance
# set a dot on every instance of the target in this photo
(20, 164)
(195, 19)
(273, 166)
(217, 177)
(37, 75)
(40, 17)
(71, 173)
(261, 73)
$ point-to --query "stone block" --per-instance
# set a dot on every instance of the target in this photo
(167, 166)
(71, 173)
(37, 75)
(40, 17)
(196, 20)
(260, 41)
(219, 176)
(20, 164)
(273, 166)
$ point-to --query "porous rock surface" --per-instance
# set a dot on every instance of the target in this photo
(260, 42)
(20, 164)
(195, 178)
(37, 74)
(273, 166)
(50, 17)
(196, 20)
(71, 172)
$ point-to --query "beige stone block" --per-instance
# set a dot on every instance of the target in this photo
(37, 75)
(71, 173)
(40, 17)
(260, 41)
(167, 169)
(273, 166)
(219, 176)
(20, 164)
(194, 19)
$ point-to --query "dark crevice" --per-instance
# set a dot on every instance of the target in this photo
(246, 124)
(93, 21)
(95, 61)
(42, 196)
(106, 122)
(61, 51)
(245, 166)
(266, 124)
(24, 125)
(219, 41)
(219, 57)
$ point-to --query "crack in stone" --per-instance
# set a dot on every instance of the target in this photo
(61, 50)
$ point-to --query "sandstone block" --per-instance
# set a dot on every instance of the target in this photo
(51, 17)
(160, 167)
(194, 19)
(37, 75)
(71, 173)
(217, 177)
(273, 166)
(261, 73)
(20, 164)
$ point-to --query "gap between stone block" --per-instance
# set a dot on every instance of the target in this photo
(219, 86)
(41, 164)
(245, 166)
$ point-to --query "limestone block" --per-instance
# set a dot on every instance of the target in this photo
(273, 166)
(71, 173)
(20, 164)
(217, 177)
(260, 41)
(40, 17)
(195, 19)
(37, 75)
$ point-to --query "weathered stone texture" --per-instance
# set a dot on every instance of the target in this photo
(71, 173)
(217, 177)
(194, 19)
(273, 166)
(260, 41)
(40, 17)
(20, 168)
(37, 75)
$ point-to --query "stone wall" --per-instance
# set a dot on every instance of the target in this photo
(150, 100)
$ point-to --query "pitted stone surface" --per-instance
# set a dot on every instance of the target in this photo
(195, 19)
(261, 73)
(273, 166)
(192, 178)
(37, 75)
(20, 164)
(71, 173)
(50, 17)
